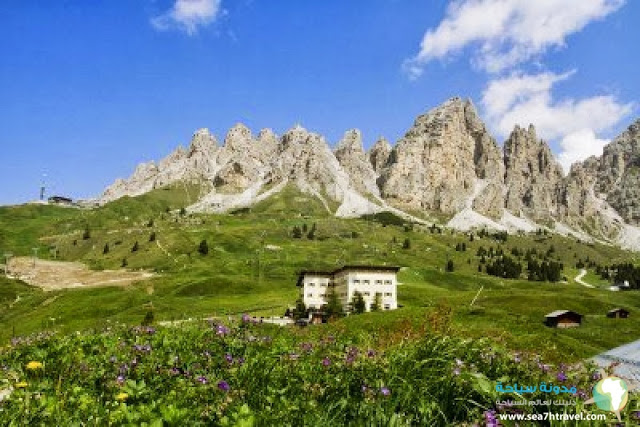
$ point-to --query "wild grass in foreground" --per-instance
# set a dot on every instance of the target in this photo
(247, 374)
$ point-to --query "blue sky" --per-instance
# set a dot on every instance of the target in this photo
(90, 89)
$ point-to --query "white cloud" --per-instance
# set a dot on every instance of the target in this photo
(526, 98)
(506, 32)
(578, 146)
(188, 15)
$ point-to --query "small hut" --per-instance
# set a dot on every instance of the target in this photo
(318, 317)
(620, 313)
(563, 319)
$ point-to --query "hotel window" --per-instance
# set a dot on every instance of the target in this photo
(378, 282)
(387, 306)
(388, 294)
(311, 284)
(387, 282)
(356, 281)
(366, 282)
(366, 294)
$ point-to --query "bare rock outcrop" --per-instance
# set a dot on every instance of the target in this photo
(353, 159)
(533, 178)
(445, 163)
(379, 154)
(619, 174)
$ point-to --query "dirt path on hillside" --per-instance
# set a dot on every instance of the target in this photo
(579, 280)
(55, 275)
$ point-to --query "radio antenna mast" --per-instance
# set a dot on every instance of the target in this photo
(43, 186)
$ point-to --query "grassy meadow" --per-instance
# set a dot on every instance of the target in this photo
(470, 328)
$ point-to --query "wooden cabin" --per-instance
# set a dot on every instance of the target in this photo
(620, 313)
(60, 200)
(563, 319)
(318, 317)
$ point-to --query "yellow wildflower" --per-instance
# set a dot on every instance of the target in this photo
(22, 384)
(33, 365)
(122, 397)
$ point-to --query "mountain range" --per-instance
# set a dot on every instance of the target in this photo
(447, 167)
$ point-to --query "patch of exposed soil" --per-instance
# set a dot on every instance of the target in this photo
(55, 275)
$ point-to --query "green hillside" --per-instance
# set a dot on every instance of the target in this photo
(253, 260)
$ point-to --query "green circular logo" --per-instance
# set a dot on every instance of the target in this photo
(611, 394)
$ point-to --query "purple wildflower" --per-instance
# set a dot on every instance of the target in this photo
(326, 361)
(120, 379)
(175, 371)
(202, 380)
(222, 330)
(543, 367)
(596, 376)
(636, 415)
(371, 353)
(561, 376)
(223, 385)
(364, 388)
(456, 371)
(240, 361)
(228, 358)
(245, 318)
(306, 346)
(490, 418)
(385, 391)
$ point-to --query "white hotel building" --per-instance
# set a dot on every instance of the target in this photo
(368, 280)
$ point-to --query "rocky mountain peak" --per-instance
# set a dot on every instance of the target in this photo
(350, 142)
(267, 136)
(446, 162)
(532, 175)
(379, 154)
(239, 137)
(352, 158)
(203, 141)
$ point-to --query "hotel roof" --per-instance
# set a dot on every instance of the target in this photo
(345, 268)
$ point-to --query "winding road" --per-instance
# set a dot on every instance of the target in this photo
(579, 280)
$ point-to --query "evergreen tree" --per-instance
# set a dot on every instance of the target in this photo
(358, 305)
(152, 236)
(377, 302)
(135, 247)
(150, 223)
(203, 247)
(148, 318)
(106, 248)
(406, 244)
(333, 308)
(124, 263)
(183, 211)
(300, 311)
(86, 235)
(450, 266)
(312, 233)
(296, 233)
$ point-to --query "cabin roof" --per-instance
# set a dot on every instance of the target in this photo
(618, 309)
(561, 312)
